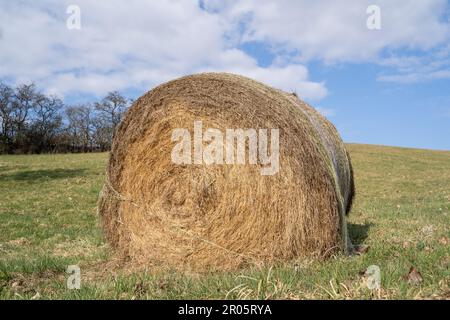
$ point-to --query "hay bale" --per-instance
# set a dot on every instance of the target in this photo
(203, 217)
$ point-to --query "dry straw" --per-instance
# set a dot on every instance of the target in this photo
(221, 217)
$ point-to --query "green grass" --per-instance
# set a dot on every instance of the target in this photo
(48, 221)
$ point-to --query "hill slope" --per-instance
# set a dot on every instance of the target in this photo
(402, 211)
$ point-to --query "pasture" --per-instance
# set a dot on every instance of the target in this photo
(48, 220)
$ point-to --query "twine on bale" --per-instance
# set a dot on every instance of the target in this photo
(221, 216)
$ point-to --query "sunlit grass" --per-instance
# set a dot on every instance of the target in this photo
(48, 221)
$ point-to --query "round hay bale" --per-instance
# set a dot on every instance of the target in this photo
(220, 216)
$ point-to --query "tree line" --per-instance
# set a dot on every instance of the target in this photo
(33, 122)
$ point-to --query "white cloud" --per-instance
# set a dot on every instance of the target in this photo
(292, 78)
(132, 44)
(415, 77)
(412, 43)
(336, 31)
(413, 69)
(138, 44)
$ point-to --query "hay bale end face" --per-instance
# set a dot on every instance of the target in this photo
(220, 216)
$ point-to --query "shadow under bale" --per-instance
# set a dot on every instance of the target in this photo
(223, 216)
(358, 233)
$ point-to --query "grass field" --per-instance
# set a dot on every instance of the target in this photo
(402, 212)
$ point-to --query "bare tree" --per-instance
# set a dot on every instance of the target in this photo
(6, 118)
(46, 122)
(24, 98)
(111, 110)
(80, 127)
(102, 134)
(32, 122)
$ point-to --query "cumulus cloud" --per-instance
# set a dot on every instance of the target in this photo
(122, 45)
(336, 31)
(291, 78)
(138, 44)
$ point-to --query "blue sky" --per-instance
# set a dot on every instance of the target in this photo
(366, 110)
(369, 111)
(388, 86)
